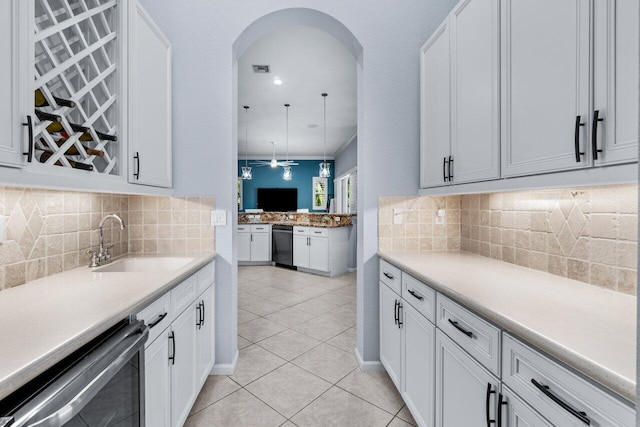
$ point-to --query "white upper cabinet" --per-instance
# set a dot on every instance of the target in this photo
(615, 111)
(150, 142)
(545, 86)
(475, 82)
(435, 127)
(15, 18)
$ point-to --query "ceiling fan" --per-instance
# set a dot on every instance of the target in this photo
(273, 162)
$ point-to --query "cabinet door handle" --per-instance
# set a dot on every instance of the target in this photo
(199, 320)
(158, 320)
(388, 276)
(444, 169)
(577, 139)
(203, 312)
(400, 323)
(582, 416)
(461, 329)
(29, 152)
(450, 168)
(501, 403)
(136, 174)
(487, 402)
(415, 295)
(172, 358)
(594, 134)
(395, 313)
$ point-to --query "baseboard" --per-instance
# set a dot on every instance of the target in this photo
(371, 366)
(226, 368)
(351, 270)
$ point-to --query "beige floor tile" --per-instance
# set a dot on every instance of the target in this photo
(243, 342)
(288, 286)
(271, 293)
(290, 317)
(322, 328)
(311, 291)
(253, 363)
(339, 408)
(345, 341)
(327, 362)
(344, 315)
(288, 389)
(398, 422)
(264, 307)
(245, 316)
(215, 388)
(259, 329)
(405, 415)
(291, 298)
(238, 409)
(315, 307)
(247, 298)
(289, 344)
(374, 387)
(334, 298)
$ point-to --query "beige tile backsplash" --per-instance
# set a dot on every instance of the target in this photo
(587, 234)
(50, 231)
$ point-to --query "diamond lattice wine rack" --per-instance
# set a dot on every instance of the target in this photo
(76, 84)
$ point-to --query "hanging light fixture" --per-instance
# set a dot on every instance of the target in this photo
(287, 169)
(325, 168)
(246, 169)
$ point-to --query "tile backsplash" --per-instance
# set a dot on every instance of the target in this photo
(587, 234)
(49, 231)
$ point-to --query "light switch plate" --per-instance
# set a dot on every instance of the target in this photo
(218, 217)
(397, 216)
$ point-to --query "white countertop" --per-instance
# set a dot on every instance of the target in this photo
(44, 321)
(591, 329)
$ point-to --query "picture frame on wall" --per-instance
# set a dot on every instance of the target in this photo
(319, 196)
(239, 192)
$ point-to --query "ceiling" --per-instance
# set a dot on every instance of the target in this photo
(309, 62)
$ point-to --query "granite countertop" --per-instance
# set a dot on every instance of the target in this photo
(44, 321)
(296, 224)
(589, 328)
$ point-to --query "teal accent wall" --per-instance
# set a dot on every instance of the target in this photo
(266, 177)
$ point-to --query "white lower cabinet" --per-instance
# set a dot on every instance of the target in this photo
(321, 249)
(418, 365)
(390, 334)
(301, 250)
(180, 357)
(254, 242)
(466, 393)
(319, 253)
(244, 247)
(515, 413)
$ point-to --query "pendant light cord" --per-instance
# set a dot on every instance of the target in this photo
(246, 135)
(324, 158)
(287, 105)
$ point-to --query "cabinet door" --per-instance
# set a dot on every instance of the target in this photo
(206, 341)
(157, 381)
(150, 142)
(301, 251)
(418, 365)
(390, 334)
(260, 247)
(183, 369)
(616, 81)
(319, 253)
(519, 414)
(16, 17)
(475, 90)
(463, 387)
(545, 85)
(244, 246)
(435, 127)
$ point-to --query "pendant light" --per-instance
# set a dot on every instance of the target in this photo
(325, 168)
(246, 169)
(287, 169)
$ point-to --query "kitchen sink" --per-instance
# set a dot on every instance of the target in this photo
(132, 265)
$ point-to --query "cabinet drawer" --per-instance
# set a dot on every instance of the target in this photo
(420, 296)
(206, 277)
(260, 228)
(525, 367)
(301, 231)
(243, 229)
(319, 232)
(391, 276)
(157, 316)
(183, 295)
(477, 336)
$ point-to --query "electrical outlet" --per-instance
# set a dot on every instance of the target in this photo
(440, 215)
(397, 216)
(219, 217)
(290, 216)
(336, 218)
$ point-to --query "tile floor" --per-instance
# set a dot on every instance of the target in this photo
(297, 335)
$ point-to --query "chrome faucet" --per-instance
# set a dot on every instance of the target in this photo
(103, 254)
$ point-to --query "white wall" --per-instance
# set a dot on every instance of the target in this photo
(204, 133)
(348, 158)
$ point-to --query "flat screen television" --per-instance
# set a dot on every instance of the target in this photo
(278, 199)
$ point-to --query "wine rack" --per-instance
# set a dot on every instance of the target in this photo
(76, 83)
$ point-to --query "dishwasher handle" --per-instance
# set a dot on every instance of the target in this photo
(75, 389)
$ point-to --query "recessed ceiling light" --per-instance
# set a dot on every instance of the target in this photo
(277, 81)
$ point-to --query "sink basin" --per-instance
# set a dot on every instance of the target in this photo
(132, 265)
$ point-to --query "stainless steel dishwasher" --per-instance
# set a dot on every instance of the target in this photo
(282, 252)
(102, 384)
